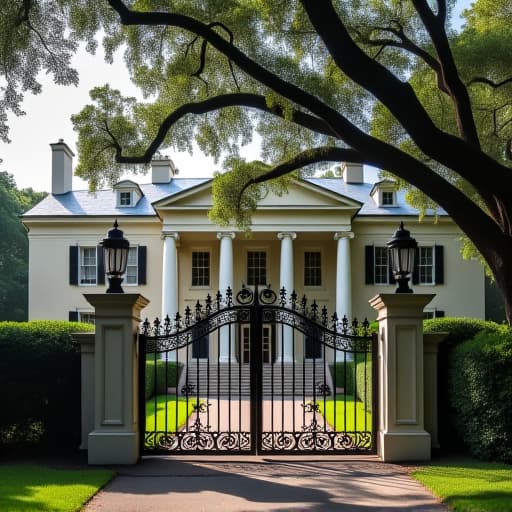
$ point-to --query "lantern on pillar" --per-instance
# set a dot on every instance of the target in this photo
(401, 250)
(115, 252)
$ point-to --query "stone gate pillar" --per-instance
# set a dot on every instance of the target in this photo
(115, 437)
(401, 432)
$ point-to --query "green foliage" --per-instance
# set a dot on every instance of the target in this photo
(29, 488)
(14, 248)
(458, 331)
(481, 381)
(468, 485)
(364, 380)
(40, 379)
(343, 376)
(157, 371)
(344, 413)
(229, 204)
(172, 413)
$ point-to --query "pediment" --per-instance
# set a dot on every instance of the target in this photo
(301, 195)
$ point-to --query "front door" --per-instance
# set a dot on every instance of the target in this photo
(267, 343)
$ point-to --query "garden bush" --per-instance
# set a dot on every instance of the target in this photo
(364, 380)
(341, 371)
(481, 382)
(157, 369)
(40, 386)
(459, 330)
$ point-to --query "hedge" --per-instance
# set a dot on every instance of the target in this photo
(481, 382)
(173, 376)
(459, 330)
(40, 386)
(341, 371)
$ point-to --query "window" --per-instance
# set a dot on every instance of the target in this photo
(388, 198)
(200, 268)
(87, 317)
(125, 198)
(312, 268)
(132, 267)
(426, 265)
(87, 265)
(256, 267)
(381, 270)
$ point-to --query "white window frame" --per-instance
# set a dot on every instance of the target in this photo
(393, 197)
(267, 261)
(120, 198)
(87, 317)
(320, 252)
(380, 265)
(82, 266)
(200, 286)
(431, 265)
(131, 250)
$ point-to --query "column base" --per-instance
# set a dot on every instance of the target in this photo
(398, 446)
(113, 448)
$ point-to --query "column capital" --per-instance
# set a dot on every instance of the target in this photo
(170, 234)
(226, 234)
(343, 234)
(287, 234)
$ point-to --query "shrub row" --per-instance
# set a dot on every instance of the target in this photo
(481, 386)
(166, 374)
(40, 386)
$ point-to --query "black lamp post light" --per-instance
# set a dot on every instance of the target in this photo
(401, 250)
(115, 256)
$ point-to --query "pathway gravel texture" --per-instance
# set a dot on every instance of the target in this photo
(253, 483)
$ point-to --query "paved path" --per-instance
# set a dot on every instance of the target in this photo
(223, 415)
(277, 484)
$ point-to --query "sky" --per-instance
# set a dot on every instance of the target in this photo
(47, 119)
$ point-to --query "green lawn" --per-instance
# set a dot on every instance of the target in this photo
(38, 488)
(168, 407)
(469, 485)
(345, 413)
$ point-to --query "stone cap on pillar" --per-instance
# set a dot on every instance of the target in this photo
(117, 304)
(404, 305)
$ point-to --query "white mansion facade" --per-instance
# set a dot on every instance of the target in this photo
(325, 239)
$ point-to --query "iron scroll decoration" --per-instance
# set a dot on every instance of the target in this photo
(205, 318)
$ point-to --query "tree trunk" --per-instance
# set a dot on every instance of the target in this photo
(501, 267)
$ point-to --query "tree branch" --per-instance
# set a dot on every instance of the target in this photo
(458, 92)
(487, 81)
(216, 103)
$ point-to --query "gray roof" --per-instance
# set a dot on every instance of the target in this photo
(103, 202)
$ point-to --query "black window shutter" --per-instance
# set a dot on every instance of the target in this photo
(438, 313)
(369, 264)
(73, 264)
(73, 316)
(100, 266)
(142, 264)
(439, 263)
(416, 270)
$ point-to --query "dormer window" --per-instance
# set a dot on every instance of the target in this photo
(384, 194)
(125, 198)
(127, 193)
(388, 198)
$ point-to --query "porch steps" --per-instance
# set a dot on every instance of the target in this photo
(278, 379)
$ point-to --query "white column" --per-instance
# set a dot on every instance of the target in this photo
(285, 344)
(170, 275)
(343, 283)
(343, 275)
(226, 333)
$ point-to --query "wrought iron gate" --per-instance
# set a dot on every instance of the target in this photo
(257, 373)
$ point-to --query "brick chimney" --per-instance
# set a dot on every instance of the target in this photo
(162, 169)
(62, 167)
(352, 173)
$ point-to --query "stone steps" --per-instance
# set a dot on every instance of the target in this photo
(278, 379)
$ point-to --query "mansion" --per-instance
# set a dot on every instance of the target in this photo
(325, 239)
